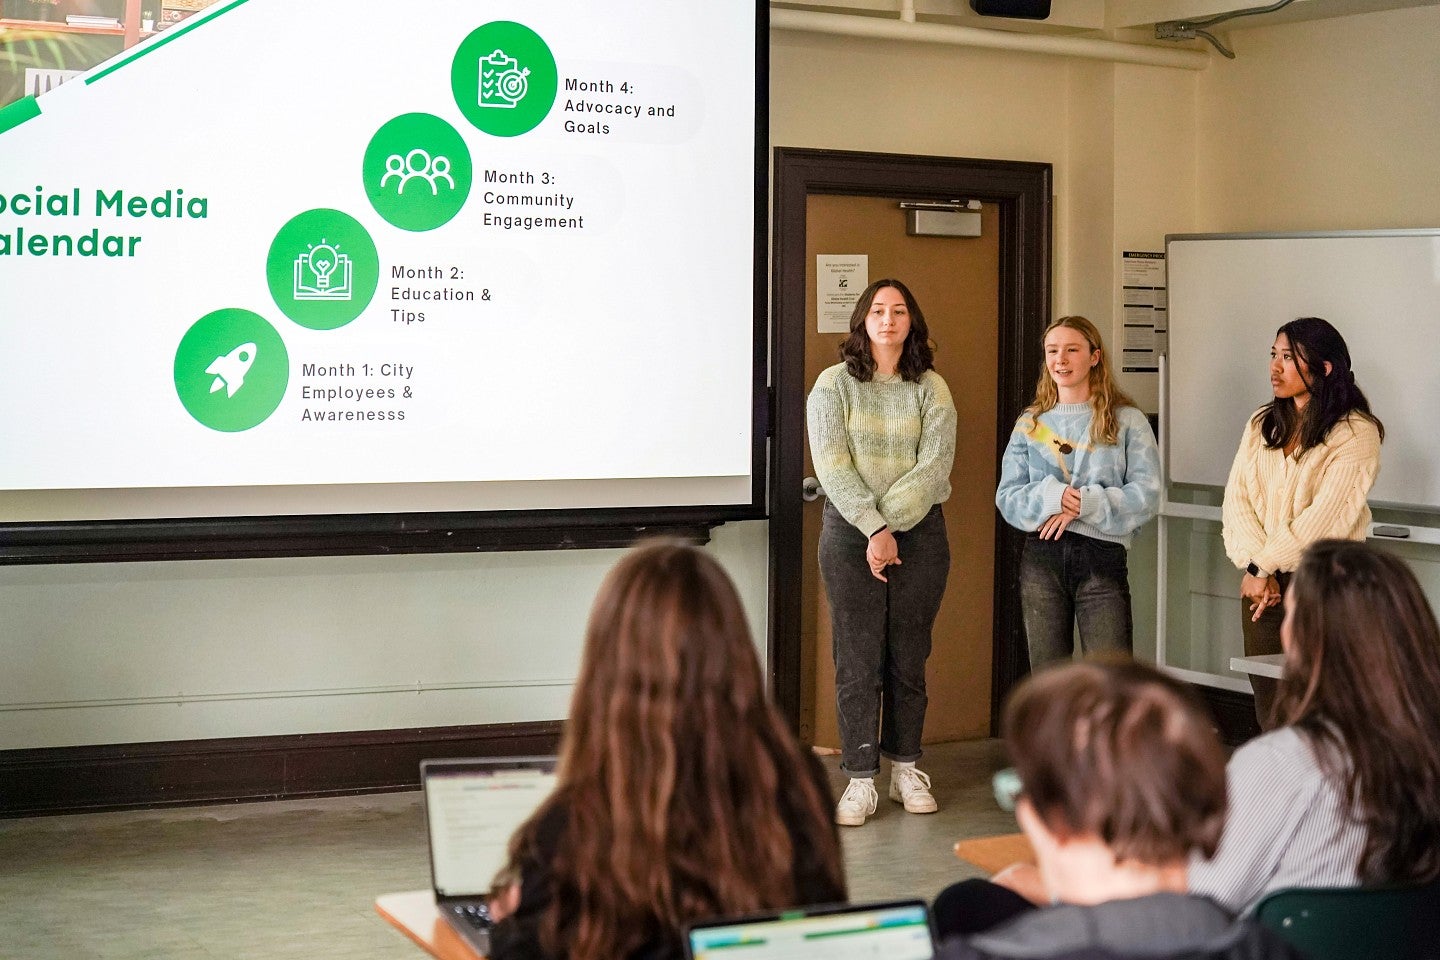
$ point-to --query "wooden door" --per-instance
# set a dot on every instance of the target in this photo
(956, 282)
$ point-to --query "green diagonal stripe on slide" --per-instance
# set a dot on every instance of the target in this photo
(14, 114)
(174, 33)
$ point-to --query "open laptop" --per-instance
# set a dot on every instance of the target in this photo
(896, 931)
(472, 807)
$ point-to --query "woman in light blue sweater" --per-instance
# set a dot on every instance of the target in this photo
(1080, 475)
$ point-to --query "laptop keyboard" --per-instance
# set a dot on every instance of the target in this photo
(476, 915)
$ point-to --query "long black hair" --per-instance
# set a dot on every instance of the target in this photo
(1333, 395)
(917, 355)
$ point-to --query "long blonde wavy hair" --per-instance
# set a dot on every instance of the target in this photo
(1105, 395)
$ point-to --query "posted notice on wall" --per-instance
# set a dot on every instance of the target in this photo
(840, 278)
(1145, 311)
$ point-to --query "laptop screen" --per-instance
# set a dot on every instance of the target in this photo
(896, 931)
(472, 807)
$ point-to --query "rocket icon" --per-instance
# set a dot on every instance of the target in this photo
(230, 369)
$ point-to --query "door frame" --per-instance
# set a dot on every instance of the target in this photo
(1022, 191)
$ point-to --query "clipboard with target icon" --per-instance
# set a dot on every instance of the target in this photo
(503, 82)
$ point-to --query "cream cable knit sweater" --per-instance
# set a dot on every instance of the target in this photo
(1276, 505)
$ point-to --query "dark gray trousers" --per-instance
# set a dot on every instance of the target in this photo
(1263, 636)
(881, 637)
(1075, 580)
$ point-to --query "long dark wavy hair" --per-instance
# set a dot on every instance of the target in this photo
(676, 775)
(1361, 673)
(1333, 395)
(916, 356)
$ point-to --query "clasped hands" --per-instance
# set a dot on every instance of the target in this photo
(881, 552)
(1069, 510)
(504, 901)
(1262, 592)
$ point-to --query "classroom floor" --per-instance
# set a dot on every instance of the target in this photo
(298, 878)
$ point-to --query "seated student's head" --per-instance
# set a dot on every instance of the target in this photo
(1362, 677)
(682, 784)
(1122, 778)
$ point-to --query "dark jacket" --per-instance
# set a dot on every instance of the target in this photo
(518, 937)
(1162, 926)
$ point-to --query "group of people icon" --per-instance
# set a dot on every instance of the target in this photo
(418, 163)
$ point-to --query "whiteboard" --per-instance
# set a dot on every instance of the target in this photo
(1229, 294)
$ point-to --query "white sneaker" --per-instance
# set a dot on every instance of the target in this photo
(912, 788)
(858, 802)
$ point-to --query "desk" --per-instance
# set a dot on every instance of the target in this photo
(414, 914)
(1262, 665)
(993, 854)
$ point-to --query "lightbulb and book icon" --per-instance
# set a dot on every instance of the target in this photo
(323, 273)
(503, 82)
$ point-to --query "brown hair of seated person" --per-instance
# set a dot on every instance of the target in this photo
(1120, 752)
(671, 765)
(1362, 671)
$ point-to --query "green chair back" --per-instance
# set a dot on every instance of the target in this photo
(1364, 923)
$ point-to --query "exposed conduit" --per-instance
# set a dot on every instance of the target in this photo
(807, 21)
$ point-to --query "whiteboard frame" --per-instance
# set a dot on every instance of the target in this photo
(1170, 509)
(1270, 235)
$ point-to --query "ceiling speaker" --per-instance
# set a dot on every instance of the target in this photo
(1019, 9)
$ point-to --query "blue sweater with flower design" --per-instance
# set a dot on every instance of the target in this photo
(1119, 483)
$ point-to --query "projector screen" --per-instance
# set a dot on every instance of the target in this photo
(295, 259)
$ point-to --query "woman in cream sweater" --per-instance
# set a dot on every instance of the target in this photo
(1305, 465)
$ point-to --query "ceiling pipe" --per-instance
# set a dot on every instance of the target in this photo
(808, 21)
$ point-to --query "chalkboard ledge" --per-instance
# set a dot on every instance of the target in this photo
(351, 535)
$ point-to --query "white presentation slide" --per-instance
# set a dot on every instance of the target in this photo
(287, 244)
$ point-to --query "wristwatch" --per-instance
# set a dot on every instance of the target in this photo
(1255, 571)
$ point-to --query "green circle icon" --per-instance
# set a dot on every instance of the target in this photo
(231, 370)
(504, 78)
(322, 269)
(417, 171)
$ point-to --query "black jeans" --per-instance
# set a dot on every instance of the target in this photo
(1074, 580)
(881, 637)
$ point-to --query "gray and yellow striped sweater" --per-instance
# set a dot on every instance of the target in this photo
(883, 449)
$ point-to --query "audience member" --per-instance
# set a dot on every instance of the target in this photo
(1122, 779)
(1348, 790)
(682, 794)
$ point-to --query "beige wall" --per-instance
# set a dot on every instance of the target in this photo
(1328, 125)
(1121, 138)
(129, 652)
(854, 94)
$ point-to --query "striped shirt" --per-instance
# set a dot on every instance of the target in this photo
(1286, 826)
(882, 450)
(1277, 505)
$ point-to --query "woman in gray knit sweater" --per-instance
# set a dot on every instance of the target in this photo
(882, 437)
